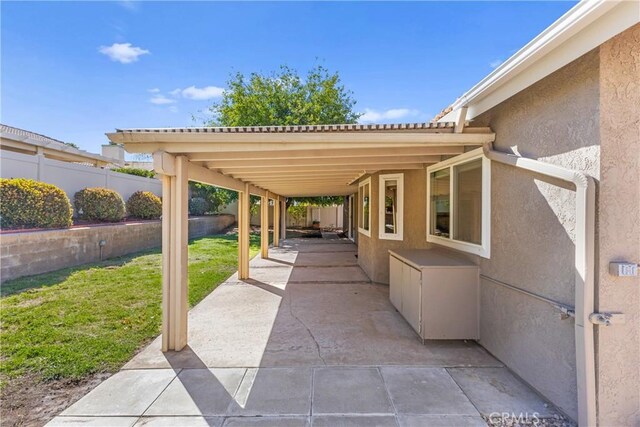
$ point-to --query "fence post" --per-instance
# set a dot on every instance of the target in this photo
(41, 167)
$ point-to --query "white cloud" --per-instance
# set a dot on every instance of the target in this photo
(201, 93)
(373, 116)
(495, 63)
(154, 90)
(124, 53)
(129, 5)
(175, 92)
(173, 109)
(161, 100)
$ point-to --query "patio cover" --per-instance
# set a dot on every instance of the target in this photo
(274, 162)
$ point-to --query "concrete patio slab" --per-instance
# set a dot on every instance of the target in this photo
(273, 391)
(333, 259)
(353, 421)
(93, 421)
(440, 421)
(343, 274)
(127, 393)
(498, 390)
(349, 391)
(321, 247)
(180, 421)
(266, 422)
(270, 351)
(425, 391)
(199, 392)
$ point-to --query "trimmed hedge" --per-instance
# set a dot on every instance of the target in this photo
(144, 205)
(198, 206)
(99, 204)
(136, 171)
(26, 203)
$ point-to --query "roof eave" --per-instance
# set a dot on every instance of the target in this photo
(583, 28)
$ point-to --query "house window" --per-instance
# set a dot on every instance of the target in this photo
(391, 206)
(459, 204)
(364, 207)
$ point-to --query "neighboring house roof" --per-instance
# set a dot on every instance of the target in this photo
(583, 28)
(30, 142)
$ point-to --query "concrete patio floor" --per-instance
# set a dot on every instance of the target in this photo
(308, 340)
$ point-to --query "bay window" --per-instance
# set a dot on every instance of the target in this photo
(459, 204)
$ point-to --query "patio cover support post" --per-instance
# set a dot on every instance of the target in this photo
(283, 225)
(174, 252)
(166, 257)
(243, 232)
(264, 225)
(276, 222)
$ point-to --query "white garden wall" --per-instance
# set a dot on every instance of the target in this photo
(72, 177)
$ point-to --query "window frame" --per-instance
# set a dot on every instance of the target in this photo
(350, 203)
(362, 230)
(382, 179)
(483, 249)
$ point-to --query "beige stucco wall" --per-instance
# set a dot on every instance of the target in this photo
(619, 228)
(585, 116)
(35, 252)
(532, 227)
(373, 252)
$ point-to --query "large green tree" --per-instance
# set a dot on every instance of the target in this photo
(284, 98)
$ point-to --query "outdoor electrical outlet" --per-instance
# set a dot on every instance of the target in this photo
(623, 269)
(102, 243)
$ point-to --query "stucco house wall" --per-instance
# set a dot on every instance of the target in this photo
(533, 227)
(373, 252)
(618, 347)
(584, 113)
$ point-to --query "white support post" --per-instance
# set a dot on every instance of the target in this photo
(166, 262)
(174, 256)
(179, 246)
(264, 225)
(276, 222)
(243, 232)
(283, 225)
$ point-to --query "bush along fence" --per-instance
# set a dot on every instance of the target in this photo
(29, 204)
(25, 203)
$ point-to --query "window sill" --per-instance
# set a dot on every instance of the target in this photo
(397, 237)
(470, 248)
(365, 232)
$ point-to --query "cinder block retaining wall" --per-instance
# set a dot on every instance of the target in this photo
(35, 252)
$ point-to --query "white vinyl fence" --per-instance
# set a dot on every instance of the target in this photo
(329, 216)
(72, 177)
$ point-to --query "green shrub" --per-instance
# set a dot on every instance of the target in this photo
(25, 203)
(99, 204)
(215, 197)
(136, 171)
(198, 206)
(144, 205)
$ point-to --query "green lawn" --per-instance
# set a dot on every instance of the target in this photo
(92, 318)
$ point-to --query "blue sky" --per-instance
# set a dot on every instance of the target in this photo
(75, 70)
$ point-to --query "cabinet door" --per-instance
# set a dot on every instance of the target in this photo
(411, 296)
(395, 282)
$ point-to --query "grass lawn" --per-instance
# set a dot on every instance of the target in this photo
(78, 321)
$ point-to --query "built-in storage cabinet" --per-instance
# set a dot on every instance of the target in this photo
(436, 292)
